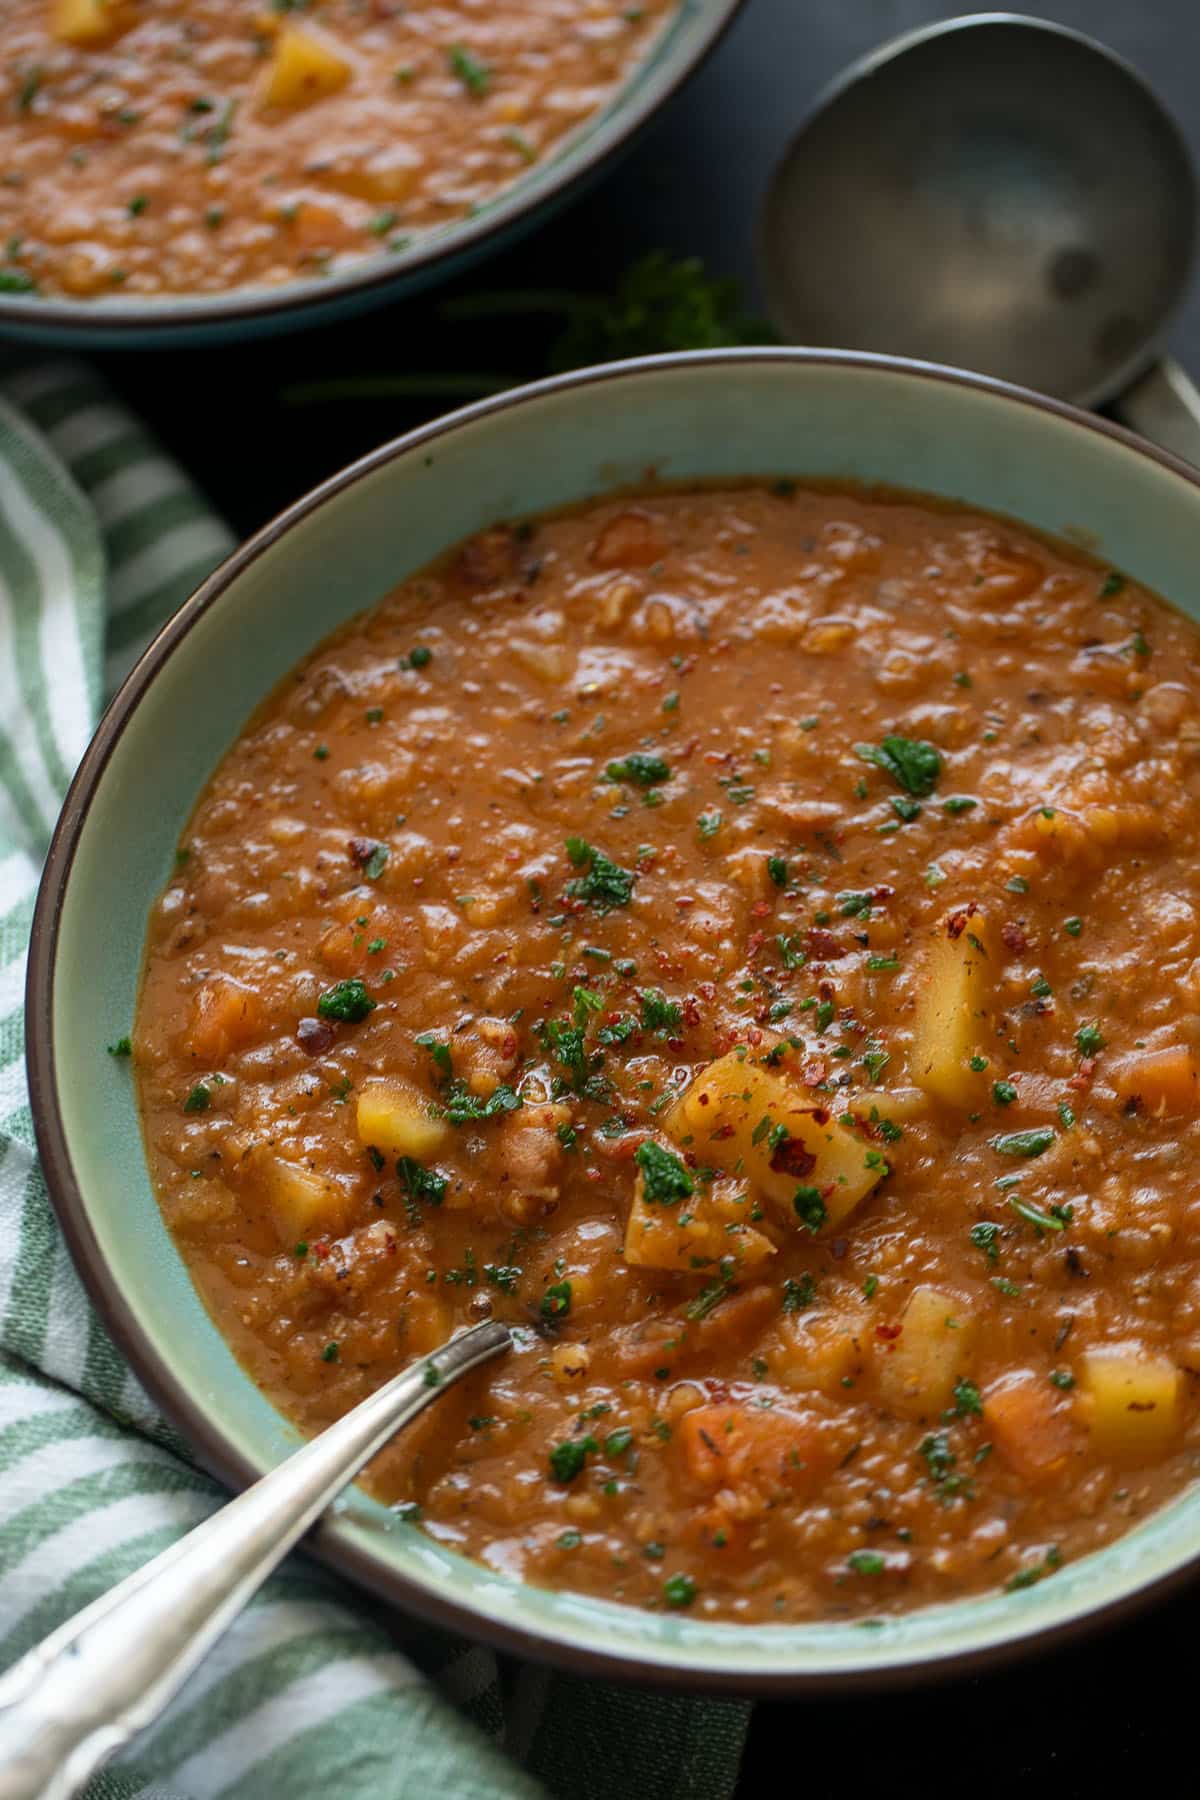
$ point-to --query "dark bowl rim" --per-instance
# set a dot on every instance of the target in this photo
(511, 208)
(213, 1450)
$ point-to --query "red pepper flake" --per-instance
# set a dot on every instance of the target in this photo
(726, 1131)
(1081, 1080)
(754, 944)
(888, 1333)
(814, 1071)
(362, 850)
(761, 909)
(791, 1158)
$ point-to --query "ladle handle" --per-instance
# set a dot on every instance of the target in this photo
(1164, 406)
(107, 1673)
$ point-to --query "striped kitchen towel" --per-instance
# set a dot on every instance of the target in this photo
(101, 536)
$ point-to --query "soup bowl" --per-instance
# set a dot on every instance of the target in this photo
(765, 413)
(128, 322)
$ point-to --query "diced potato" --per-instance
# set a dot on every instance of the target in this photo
(1160, 1081)
(1026, 1419)
(225, 1016)
(730, 1114)
(692, 1236)
(1131, 1400)
(302, 1204)
(88, 21)
(917, 1371)
(952, 1020)
(303, 68)
(394, 1119)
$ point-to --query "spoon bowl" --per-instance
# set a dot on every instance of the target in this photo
(995, 192)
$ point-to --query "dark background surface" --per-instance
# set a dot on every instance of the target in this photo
(1090, 1720)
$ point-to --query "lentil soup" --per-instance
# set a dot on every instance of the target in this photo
(194, 146)
(748, 939)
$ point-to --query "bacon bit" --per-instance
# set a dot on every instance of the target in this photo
(889, 1333)
(754, 944)
(823, 946)
(958, 921)
(814, 1071)
(761, 909)
(362, 850)
(314, 1036)
(1014, 937)
(1081, 1080)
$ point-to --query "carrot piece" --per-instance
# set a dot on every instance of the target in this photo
(1028, 1424)
(1160, 1081)
(732, 1446)
(225, 1015)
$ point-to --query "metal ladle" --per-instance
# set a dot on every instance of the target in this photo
(93, 1684)
(1002, 194)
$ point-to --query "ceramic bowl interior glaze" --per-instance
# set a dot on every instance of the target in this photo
(725, 414)
(123, 322)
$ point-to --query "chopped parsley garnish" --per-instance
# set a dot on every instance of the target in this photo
(1066, 1115)
(420, 1183)
(640, 769)
(1057, 1219)
(461, 1107)
(799, 1295)
(604, 885)
(986, 1237)
(1003, 1093)
(376, 863)
(438, 1051)
(658, 1013)
(664, 1178)
(556, 1301)
(853, 905)
(966, 1400)
(348, 1001)
(1090, 1040)
(679, 1591)
(790, 953)
(474, 74)
(865, 1562)
(198, 1100)
(618, 1442)
(420, 656)
(1052, 1560)
(941, 1463)
(1025, 1143)
(1073, 927)
(1062, 1378)
(875, 1059)
(567, 1459)
(882, 965)
(1113, 583)
(708, 825)
(1017, 884)
(905, 809)
(122, 1047)
(912, 764)
(1010, 1289)
(809, 1207)
(330, 1352)
(959, 803)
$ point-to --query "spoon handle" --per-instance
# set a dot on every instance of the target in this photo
(107, 1673)
(1164, 406)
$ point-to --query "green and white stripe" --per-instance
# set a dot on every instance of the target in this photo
(101, 537)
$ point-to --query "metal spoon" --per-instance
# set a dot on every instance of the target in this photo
(1003, 194)
(106, 1674)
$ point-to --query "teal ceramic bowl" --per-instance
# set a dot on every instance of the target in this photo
(122, 322)
(727, 414)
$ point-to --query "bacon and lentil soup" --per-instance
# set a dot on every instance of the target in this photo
(749, 941)
(190, 146)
